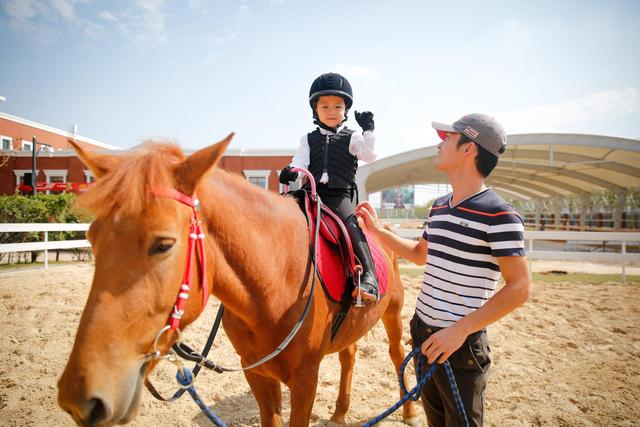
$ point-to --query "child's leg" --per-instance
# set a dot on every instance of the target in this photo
(343, 207)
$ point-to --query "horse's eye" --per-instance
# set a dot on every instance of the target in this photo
(161, 245)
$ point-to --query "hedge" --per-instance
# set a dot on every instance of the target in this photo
(41, 208)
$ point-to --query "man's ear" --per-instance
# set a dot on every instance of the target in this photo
(471, 148)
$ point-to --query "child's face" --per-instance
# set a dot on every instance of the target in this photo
(330, 110)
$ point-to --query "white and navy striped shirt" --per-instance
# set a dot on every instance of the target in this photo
(463, 243)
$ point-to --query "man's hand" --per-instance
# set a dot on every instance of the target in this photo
(439, 346)
(287, 176)
(368, 214)
(365, 120)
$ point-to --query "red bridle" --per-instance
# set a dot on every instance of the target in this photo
(195, 233)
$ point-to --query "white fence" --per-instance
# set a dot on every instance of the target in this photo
(44, 245)
(573, 238)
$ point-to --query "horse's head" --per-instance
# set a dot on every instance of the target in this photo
(140, 245)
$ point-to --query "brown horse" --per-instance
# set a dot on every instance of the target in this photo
(257, 252)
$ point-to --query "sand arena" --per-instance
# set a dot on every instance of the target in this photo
(570, 356)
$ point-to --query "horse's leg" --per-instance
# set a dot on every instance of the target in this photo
(393, 325)
(302, 387)
(347, 360)
(268, 394)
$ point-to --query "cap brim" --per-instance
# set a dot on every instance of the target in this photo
(442, 129)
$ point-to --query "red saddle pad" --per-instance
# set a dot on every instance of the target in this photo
(332, 271)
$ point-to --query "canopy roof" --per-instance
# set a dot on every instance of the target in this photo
(534, 166)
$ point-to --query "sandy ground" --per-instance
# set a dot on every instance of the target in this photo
(571, 356)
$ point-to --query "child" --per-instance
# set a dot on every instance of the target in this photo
(331, 153)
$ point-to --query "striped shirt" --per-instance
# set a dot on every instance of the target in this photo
(463, 244)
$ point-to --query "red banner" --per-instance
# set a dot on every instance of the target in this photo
(76, 187)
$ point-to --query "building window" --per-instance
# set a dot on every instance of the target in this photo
(89, 176)
(55, 175)
(258, 177)
(20, 175)
(26, 145)
(7, 142)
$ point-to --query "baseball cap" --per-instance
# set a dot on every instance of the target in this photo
(480, 128)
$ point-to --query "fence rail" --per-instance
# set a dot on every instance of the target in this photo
(575, 237)
(44, 245)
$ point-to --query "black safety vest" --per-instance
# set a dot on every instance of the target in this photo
(330, 153)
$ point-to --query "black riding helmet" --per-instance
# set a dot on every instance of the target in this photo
(330, 84)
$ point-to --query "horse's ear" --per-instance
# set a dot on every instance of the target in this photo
(189, 172)
(99, 164)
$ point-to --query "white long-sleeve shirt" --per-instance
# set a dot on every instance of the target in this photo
(361, 146)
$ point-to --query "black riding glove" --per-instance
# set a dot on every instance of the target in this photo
(286, 175)
(365, 120)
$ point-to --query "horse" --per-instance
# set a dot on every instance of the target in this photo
(257, 255)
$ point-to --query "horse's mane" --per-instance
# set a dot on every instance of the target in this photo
(125, 189)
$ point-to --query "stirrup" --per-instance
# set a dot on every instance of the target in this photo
(357, 291)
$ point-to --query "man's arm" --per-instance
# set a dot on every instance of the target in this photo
(513, 294)
(411, 250)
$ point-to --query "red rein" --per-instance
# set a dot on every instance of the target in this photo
(195, 233)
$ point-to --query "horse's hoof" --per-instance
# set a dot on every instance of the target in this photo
(413, 422)
(337, 422)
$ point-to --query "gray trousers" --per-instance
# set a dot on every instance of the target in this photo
(470, 365)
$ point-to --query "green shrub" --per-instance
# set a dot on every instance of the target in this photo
(42, 208)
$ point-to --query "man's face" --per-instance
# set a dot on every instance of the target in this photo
(449, 155)
(330, 110)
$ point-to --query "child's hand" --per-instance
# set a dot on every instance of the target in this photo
(365, 120)
(368, 214)
(287, 176)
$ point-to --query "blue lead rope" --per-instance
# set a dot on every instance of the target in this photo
(414, 393)
(186, 380)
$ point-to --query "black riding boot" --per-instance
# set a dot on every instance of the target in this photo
(368, 280)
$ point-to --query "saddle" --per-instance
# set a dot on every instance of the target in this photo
(336, 263)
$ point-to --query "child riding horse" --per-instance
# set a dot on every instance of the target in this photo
(140, 244)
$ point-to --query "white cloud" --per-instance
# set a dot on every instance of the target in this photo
(40, 20)
(64, 9)
(140, 21)
(19, 10)
(242, 18)
(199, 5)
(226, 38)
(273, 3)
(108, 16)
(573, 113)
(147, 26)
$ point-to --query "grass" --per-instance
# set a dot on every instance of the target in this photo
(552, 277)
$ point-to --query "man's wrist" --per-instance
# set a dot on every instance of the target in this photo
(463, 327)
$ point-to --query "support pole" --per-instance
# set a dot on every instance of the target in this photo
(624, 263)
(33, 165)
(46, 251)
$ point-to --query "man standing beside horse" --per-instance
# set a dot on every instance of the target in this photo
(472, 237)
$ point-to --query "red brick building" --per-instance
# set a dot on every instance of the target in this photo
(16, 135)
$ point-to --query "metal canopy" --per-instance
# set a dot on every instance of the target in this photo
(534, 166)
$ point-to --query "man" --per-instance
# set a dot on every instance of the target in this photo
(472, 237)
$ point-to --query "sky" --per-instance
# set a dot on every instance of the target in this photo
(195, 70)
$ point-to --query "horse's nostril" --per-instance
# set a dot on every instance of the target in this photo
(97, 411)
